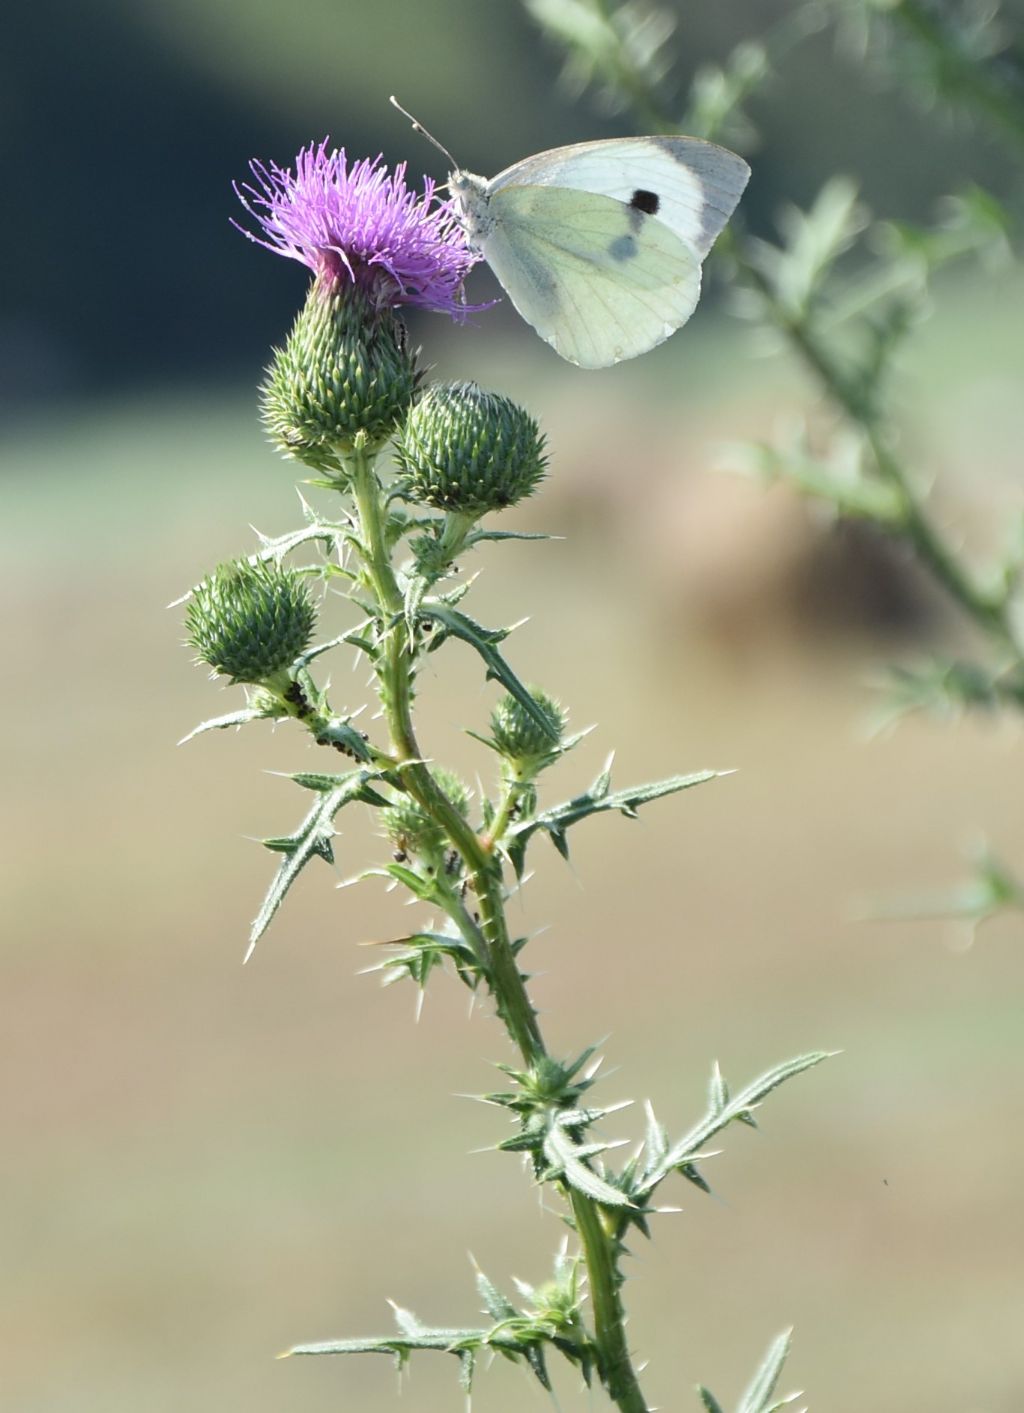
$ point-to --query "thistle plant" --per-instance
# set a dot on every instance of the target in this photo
(842, 291)
(390, 550)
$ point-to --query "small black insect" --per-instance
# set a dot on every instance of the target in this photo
(297, 697)
(646, 201)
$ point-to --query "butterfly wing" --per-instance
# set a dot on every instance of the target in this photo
(690, 186)
(598, 279)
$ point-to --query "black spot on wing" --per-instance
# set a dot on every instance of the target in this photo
(645, 201)
(623, 247)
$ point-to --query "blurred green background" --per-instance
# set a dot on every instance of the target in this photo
(202, 1164)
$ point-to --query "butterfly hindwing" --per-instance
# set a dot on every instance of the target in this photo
(599, 279)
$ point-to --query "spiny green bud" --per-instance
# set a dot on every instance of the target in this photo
(518, 736)
(345, 369)
(411, 830)
(462, 449)
(250, 621)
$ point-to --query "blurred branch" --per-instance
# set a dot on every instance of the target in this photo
(989, 891)
(954, 51)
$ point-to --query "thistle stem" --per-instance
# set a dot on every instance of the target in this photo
(490, 936)
(603, 1278)
(394, 670)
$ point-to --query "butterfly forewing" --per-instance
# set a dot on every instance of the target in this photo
(599, 279)
(691, 186)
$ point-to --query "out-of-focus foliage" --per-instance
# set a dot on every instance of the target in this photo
(960, 57)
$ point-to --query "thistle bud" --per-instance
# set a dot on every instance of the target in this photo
(519, 738)
(346, 369)
(465, 450)
(411, 830)
(251, 621)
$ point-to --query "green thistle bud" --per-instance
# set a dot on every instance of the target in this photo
(469, 451)
(250, 621)
(414, 832)
(519, 738)
(345, 370)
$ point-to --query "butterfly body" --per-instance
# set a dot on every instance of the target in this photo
(599, 245)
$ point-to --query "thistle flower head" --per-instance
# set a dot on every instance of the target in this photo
(362, 226)
(466, 450)
(518, 737)
(411, 830)
(250, 621)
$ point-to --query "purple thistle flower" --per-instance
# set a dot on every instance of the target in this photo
(361, 224)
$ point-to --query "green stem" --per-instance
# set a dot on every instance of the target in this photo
(604, 1281)
(490, 937)
(503, 817)
(394, 670)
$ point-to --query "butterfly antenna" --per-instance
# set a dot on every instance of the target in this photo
(418, 127)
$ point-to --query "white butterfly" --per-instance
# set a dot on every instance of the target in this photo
(599, 245)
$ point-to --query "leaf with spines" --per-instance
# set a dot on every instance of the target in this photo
(352, 637)
(990, 889)
(498, 1306)
(656, 1139)
(597, 800)
(329, 532)
(570, 1162)
(313, 837)
(425, 889)
(478, 536)
(515, 1334)
(758, 1397)
(419, 953)
(947, 689)
(455, 624)
(710, 1402)
(722, 1110)
(232, 718)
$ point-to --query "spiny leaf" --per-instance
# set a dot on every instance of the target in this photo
(311, 840)
(709, 1401)
(446, 1341)
(760, 1389)
(423, 888)
(417, 954)
(415, 589)
(483, 640)
(535, 1358)
(221, 723)
(655, 1140)
(758, 1396)
(683, 1154)
(718, 1090)
(324, 782)
(498, 1306)
(406, 1321)
(476, 536)
(598, 799)
(467, 1365)
(354, 637)
(565, 1157)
